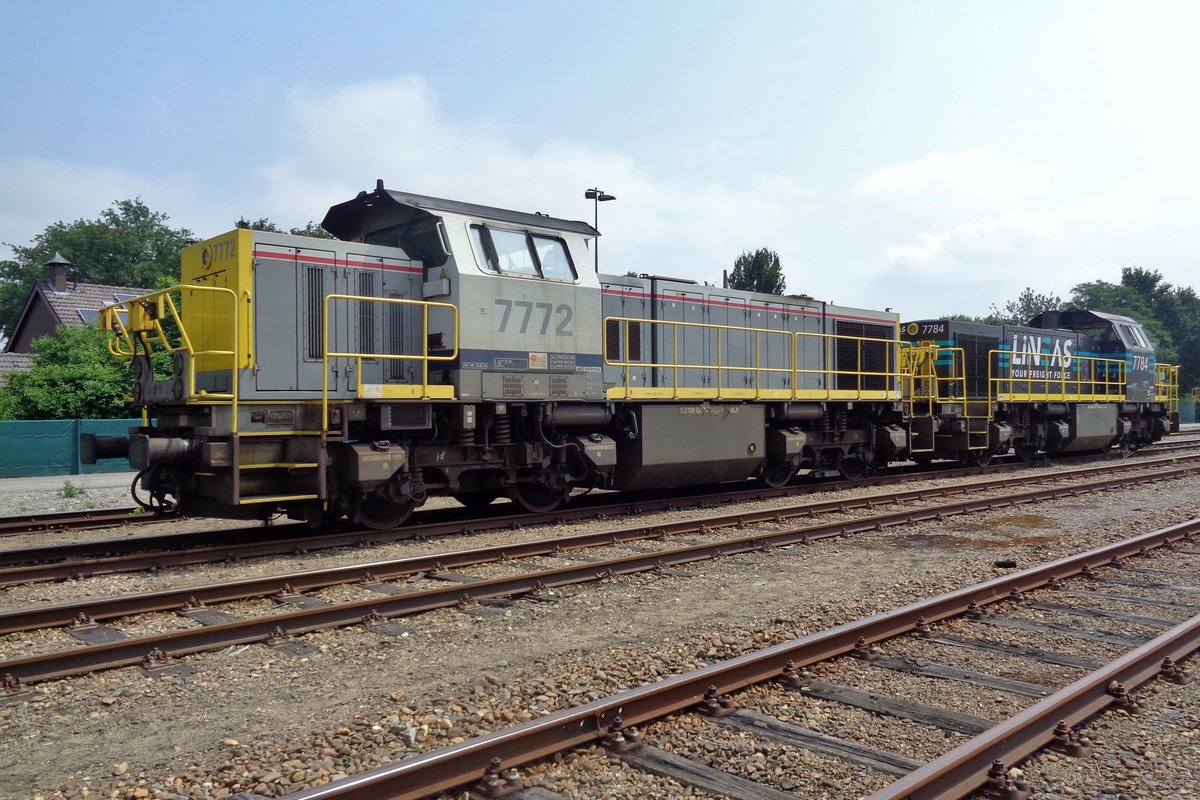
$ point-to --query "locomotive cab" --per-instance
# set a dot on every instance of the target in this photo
(1110, 336)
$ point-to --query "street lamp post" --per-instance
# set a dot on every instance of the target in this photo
(597, 196)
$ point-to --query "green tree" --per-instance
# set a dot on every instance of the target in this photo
(312, 229)
(260, 224)
(1171, 316)
(128, 245)
(1027, 306)
(263, 224)
(758, 272)
(73, 376)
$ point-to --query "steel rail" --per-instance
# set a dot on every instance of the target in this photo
(132, 651)
(965, 768)
(448, 522)
(460, 764)
(73, 570)
(71, 520)
(174, 599)
(61, 520)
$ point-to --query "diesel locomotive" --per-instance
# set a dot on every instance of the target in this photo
(1068, 381)
(437, 347)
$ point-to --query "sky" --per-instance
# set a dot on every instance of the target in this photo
(929, 157)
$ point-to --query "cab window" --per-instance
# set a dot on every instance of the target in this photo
(512, 252)
(482, 256)
(1134, 334)
(552, 254)
(521, 253)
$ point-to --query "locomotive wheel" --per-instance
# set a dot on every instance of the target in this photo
(535, 498)
(852, 469)
(1026, 451)
(476, 500)
(778, 475)
(976, 458)
(379, 514)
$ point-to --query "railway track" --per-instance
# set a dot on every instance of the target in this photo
(79, 520)
(665, 728)
(79, 560)
(437, 587)
(98, 519)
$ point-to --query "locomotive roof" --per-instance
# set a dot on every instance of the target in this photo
(1077, 315)
(349, 219)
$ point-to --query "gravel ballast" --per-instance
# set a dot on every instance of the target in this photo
(257, 719)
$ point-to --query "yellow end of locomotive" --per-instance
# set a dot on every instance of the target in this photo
(223, 262)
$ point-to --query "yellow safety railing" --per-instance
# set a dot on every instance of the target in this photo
(1166, 386)
(890, 376)
(937, 380)
(755, 371)
(146, 322)
(1085, 379)
(925, 387)
(384, 391)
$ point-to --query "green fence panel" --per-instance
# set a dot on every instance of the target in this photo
(37, 447)
(30, 448)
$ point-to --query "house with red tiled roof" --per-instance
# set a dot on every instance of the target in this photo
(57, 301)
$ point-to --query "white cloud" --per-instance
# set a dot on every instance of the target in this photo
(333, 143)
(397, 130)
(952, 231)
(1016, 235)
(948, 181)
(36, 192)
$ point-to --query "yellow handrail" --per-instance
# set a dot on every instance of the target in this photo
(1166, 383)
(925, 384)
(717, 336)
(422, 391)
(144, 322)
(1094, 379)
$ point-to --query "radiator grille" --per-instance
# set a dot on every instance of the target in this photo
(975, 361)
(366, 313)
(314, 284)
(395, 337)
(862, 354)
(612, 340)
